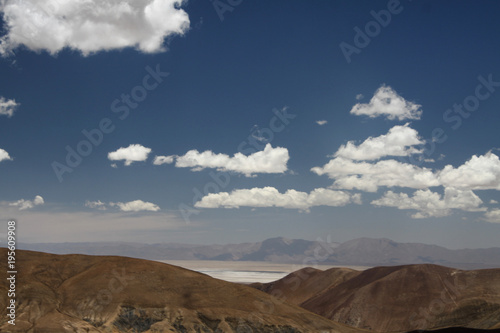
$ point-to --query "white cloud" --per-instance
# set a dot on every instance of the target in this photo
(350, 168)
(7, 107)
(269, 160)
(492, 216)
(321, 122)
(133, 153)
(135, 206)
(91, 25)
(359, 96)
(271, 197)
(399, 141)
(493, 202)
(131, 206)
(432, 204)
(23, 204)
(159, 160)
(38, 200)
(4, 155)
(369, 176)
(386, 102)
(96, 204)
(478, 173)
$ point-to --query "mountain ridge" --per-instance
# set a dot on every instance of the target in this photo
(356, 252)
(108, 294)
(396, 298)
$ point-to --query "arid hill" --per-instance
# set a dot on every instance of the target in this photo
(302, 285)
(398, 298)
(80, 293)
(458, 330)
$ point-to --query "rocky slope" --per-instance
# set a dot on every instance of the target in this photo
(79, 293)
(302, 285)
(397, 298)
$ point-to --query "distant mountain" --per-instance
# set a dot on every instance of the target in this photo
(378, 252)
(279, 249)
(357, 252)
(98, 294)
(111, 294)
(284, 250)
(396, 298)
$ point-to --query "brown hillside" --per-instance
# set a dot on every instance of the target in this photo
(405, 298)
(79, 293)
(301, 285)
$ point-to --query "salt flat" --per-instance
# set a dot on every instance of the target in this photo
(246, 271)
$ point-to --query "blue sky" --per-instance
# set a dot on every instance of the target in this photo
(251, 120)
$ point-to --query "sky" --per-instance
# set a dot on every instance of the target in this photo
(232, 121)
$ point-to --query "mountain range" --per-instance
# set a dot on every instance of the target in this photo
(358, 252)
(110, 294)
(395, 298)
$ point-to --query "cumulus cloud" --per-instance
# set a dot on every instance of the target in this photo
(4, 155)
(386, 102)
(131, 206)
(269, 160)
(493, 202)
(365, 176)
(130, 154)
(23, 204)
(432, 204)
(271, 197)
(351, 171)
(7, 107)
(92, 25)
(159, 160)
(352, 166)
(96, 204)
(321, 122)
(492, 216)
(135, 206)
(399, 141)
(359, 96)
(478, 173)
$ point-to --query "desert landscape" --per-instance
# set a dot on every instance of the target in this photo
(81, 293)
(78, 293)
(249, 166)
